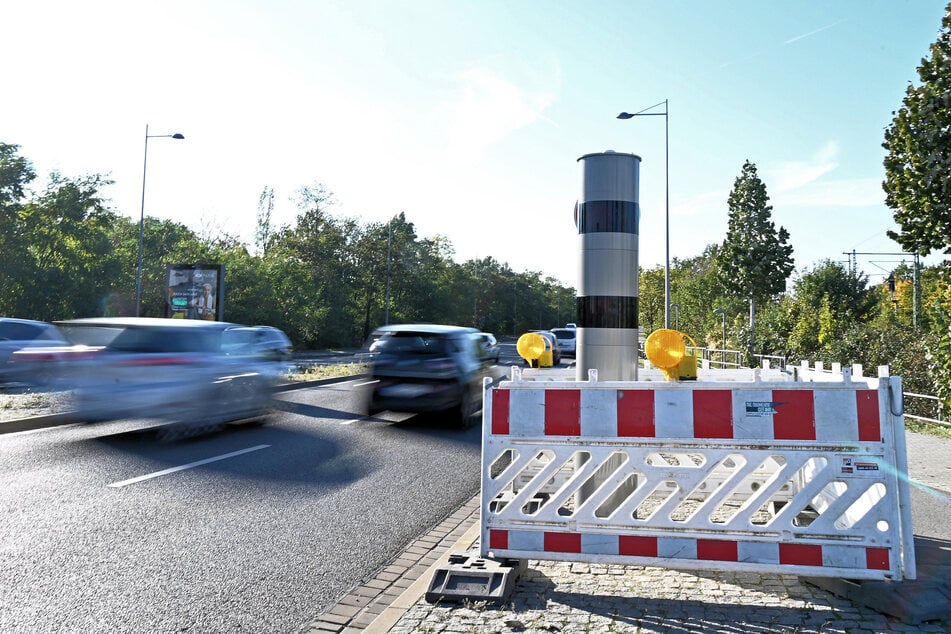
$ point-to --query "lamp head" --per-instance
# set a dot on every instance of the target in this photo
(178, 135)
(625, 115)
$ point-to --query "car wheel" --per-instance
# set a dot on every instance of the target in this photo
(468, 409)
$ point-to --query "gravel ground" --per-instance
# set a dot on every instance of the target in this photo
(17, 403)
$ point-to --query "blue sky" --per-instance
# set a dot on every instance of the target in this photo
(470, 116)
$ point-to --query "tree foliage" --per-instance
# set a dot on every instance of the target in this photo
(918, 164)
(755, 259)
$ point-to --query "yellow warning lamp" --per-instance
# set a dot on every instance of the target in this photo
(532, 347)
(666, 350)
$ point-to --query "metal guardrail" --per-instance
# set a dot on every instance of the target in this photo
(937, 408)
(913, 408)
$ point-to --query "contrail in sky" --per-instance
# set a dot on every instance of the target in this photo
(811, 33)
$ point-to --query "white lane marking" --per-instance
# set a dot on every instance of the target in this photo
(190, 465)
(353, 420)
(366, 383)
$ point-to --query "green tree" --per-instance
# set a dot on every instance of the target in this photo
(16, 173)
(70, 258)
(825, 302)
(918, 164)
(755, 259)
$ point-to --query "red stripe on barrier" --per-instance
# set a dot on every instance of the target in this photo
(876, 558)
(635, 413)
(712, 414)
(717, 550)
(562, 412)
(800, 554)
(635, 546)
(500, 412)
(795, 417)
(563, 542)
(866, 404)
(498, 539)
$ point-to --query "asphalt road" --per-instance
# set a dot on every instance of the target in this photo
(254, 529)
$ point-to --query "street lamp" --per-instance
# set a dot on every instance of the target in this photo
(644, 113)
(722, 313)
(138, 268)
(676, 315)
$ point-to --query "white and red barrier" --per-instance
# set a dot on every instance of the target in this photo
(778, 476)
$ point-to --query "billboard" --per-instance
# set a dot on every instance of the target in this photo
(196, 291)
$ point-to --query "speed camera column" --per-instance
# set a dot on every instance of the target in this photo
(607, 216)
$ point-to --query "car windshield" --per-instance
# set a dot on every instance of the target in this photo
(19, 331)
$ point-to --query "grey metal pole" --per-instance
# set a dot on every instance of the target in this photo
(665, 114)
(389, 238)
(138, 268)
(667, 213)
(722, 314)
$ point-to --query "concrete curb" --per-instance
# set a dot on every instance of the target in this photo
(37, 422)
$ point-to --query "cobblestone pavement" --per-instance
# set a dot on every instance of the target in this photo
(572, 597)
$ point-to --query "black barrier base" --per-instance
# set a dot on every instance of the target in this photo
(927, 598)
(467, 578)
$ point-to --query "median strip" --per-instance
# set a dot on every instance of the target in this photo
(149, 476)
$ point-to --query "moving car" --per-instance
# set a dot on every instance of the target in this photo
(489, 347)
(20, 334)
(266, 341)
(566, 340)
(555, 348)
(192, 375)
(428, 368)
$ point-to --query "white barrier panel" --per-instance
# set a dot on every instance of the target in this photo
(798, 478)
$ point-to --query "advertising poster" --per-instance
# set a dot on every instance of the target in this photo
(195, 291)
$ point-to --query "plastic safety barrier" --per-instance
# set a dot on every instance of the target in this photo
(777, 476)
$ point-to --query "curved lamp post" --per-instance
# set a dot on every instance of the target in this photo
(138, 268)
(645, 113)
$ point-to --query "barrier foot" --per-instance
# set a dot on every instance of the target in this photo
(467, 578)
(927, 598)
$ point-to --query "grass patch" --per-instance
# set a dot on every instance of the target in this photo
(932, 429)
(316, 372)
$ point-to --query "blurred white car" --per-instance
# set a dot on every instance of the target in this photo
(489, 346)
(192, 375)
(567, 340)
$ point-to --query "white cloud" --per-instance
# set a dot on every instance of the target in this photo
(856, 192)
(790, 175)
(491, 108)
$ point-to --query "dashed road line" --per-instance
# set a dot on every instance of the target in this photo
(190, 465)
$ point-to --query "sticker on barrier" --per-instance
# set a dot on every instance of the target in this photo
(799, 478)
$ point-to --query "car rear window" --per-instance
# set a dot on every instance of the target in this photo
(148, 340)
(564, 334)
(414, 343)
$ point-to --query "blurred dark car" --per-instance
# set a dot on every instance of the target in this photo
(373, 344)
(428, 368)
(192, 375)
(553, 341)
(20, 334)
(489, 346)
(567, 340)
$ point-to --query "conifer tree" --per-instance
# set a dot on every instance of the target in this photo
(755, 259)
